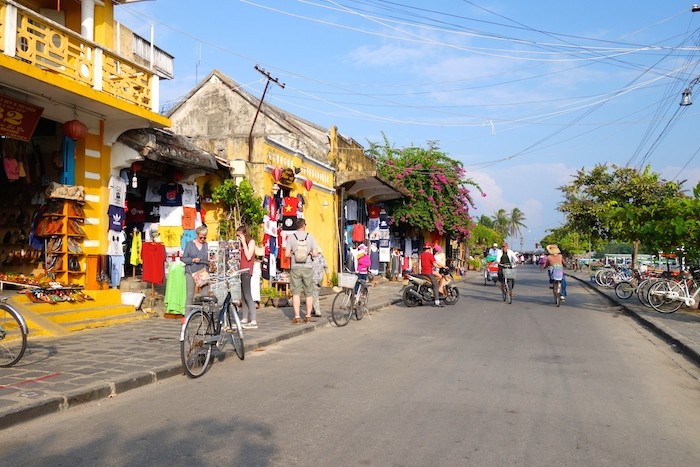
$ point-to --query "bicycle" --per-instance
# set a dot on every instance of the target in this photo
(557, 276)
(508, 280)
(667, 296)
(13, 334)
(201, 332)
(346, 302)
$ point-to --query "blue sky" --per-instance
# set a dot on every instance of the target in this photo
(523, 93)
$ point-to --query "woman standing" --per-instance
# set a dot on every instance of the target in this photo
(248, 318)
(195, 257)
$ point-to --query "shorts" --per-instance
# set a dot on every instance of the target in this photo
(301, 278)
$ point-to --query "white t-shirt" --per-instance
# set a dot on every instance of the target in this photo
(117, 191)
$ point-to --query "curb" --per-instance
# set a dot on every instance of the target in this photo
(673, 339)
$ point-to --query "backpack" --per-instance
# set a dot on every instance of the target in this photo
(301, 253)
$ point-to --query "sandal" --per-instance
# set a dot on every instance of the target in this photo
(296, 321)
(307, 319)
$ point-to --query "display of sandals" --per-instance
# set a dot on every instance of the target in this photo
(74, 228)
(74, 246)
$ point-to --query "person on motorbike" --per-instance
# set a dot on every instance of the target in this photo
(441, 262)
(555, 260)
(505, 258)
(427, 264)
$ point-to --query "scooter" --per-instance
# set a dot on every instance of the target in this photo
(419, 289)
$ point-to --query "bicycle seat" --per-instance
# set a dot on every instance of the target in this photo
(205, 299)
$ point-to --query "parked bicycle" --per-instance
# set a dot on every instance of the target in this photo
(667, 296)
(346, 302)
(204, 329)
(13, 334)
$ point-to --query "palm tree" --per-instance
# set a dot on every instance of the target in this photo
(516, 223)
(486, 221)
(501, 222)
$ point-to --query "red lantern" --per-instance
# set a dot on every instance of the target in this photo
(276, 174)
(308, 184)
(136, 166)
(75, 129)
(178, 175)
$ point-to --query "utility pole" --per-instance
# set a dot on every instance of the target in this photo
(267, 84)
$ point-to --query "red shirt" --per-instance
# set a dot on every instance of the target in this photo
(426, 262)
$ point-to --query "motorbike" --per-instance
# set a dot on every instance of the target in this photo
(491, 272)
(419, 289)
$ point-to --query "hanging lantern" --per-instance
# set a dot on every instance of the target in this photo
(308, 184)
(178, 175)
(276, 173)
(75, 129)
(136, 166)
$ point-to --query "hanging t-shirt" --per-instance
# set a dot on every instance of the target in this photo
(116, 269)
(351, 210)
(189, 195)
(153, 191)
(189, 215)
(153, 256)
(171, 194)
(117, 191)
(152, 212)
(115, 241)
(135, 212)
(171, 216)
(115, 215)
(11, 168)
(290, 206)
(358, 233)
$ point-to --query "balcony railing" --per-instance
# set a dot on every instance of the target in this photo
(46, 44)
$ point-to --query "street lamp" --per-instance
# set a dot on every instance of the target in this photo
(686, 98)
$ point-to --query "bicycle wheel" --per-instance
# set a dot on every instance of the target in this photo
(195, 351)
(342, 307)
(664, 296)
(361, 305)
(236, 330)
(13, 338)
(624, 290)
(556, 289)
(643, 291)
(452, 295)
(504, 290)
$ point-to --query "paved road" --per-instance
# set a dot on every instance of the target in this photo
(57, 374)
(481, 383)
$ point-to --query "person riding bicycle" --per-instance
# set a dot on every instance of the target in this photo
(556, 260)
(363, 264)
(505, 258)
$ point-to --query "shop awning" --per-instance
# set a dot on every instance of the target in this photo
(167, 147)
(372, 189)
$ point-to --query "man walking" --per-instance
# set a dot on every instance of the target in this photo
(301, 248)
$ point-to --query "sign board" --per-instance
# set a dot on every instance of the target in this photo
(18, 120)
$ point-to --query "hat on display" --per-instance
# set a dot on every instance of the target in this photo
(553, 250)
(438, 248)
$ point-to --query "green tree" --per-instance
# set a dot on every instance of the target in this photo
(501, 222)
(438, 195)
(240, 206)
(609, 202)
(516, 222)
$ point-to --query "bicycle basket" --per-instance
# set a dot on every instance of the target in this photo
(347, 280)
(509, 273)
(220, 290)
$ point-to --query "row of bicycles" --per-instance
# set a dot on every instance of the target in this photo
(665, 292)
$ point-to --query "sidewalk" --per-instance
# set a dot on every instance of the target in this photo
(58, 373)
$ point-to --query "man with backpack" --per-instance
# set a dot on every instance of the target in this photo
(301, 248)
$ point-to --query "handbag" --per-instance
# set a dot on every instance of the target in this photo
(201, 278)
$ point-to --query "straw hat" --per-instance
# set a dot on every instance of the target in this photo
(553, 250)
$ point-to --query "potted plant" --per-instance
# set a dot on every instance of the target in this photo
(272, 294)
